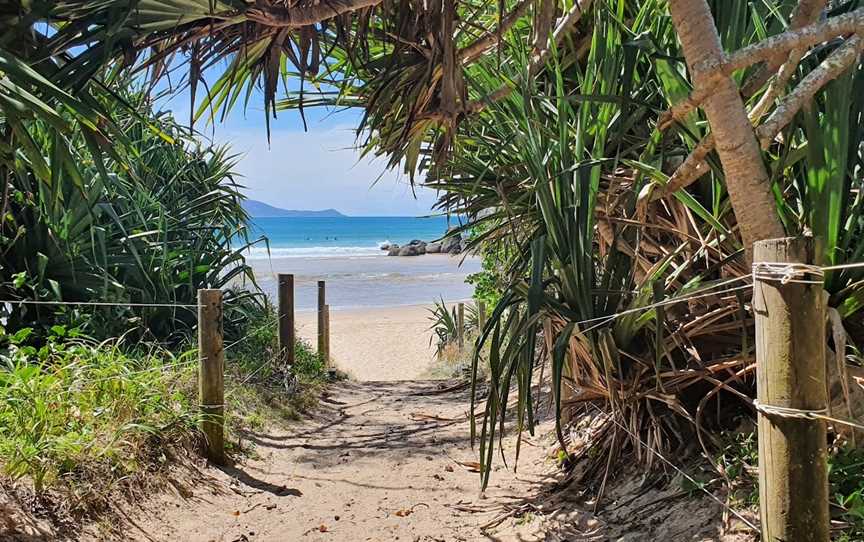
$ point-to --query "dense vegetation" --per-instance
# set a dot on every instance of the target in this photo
(90, 418)
(574, 176)
(572, 172)
(112, 239)
(150, 226)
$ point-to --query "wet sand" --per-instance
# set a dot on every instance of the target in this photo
(371, 281)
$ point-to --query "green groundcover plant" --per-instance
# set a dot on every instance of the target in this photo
(88, 416)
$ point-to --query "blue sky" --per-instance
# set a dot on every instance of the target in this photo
(312, 170)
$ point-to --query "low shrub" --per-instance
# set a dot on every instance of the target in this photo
(261, 386)
(84, 415)
(739, 460)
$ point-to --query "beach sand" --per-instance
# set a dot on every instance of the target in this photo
(376, 343)
(379, 327)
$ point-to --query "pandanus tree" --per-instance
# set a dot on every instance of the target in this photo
(260, 38)
(566, 148)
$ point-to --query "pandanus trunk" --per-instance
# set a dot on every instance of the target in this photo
(746, 177)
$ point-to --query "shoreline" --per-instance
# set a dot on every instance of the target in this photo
(380, 255)
(364, 308)
(371, 281)
(379, 306)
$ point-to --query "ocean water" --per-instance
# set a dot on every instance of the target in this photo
(345, 253)
(342, 236)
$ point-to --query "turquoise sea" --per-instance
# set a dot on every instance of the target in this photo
(342, 236)
(345, 252)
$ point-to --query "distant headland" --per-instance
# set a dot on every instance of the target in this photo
(259, 209)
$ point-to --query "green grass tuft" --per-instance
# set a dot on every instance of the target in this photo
(84, 415)
(740, 458)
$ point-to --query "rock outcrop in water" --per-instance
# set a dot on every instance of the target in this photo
(412, 250)
(450, 245)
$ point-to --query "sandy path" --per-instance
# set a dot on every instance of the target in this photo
(377, 462)
(366, 342)
(386, 459)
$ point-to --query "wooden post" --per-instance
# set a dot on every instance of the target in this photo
(327, 334)
(322, 301)
(460, 324)
(481, 316)
(211, 387)
(790, 373)
(286, 317)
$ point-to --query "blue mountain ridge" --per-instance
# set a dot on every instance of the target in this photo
(259, 209)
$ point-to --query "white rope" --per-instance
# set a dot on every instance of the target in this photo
(95, 303)
(840, 422)
(142, 371)
(843, 266)
(786, 273)
(253, 373)
(788, 412)
(802, 414)
(75, 389)
(678, 469)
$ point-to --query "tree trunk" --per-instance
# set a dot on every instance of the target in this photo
(746, 177)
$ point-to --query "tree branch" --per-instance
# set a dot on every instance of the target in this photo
(830, 68)
(848, 23)
(747, 180)
(694, 165)
(806, 12)
(488, 40)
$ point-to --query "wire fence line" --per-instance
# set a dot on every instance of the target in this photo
(803, 414)
(263, 364)
(707, 290)
(147, 370)
(250, 334)
(98, 303)
(791, 270)
(117, 377)
(182, 364)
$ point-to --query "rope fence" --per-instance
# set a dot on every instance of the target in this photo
(803, 414)
(776, 275)
(98, 303)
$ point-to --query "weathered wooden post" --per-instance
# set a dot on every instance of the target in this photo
(326, 334)
(286, 317)
(211, 386)
(460, 324)
(790, 352)
(322, 300)
(481, 316)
